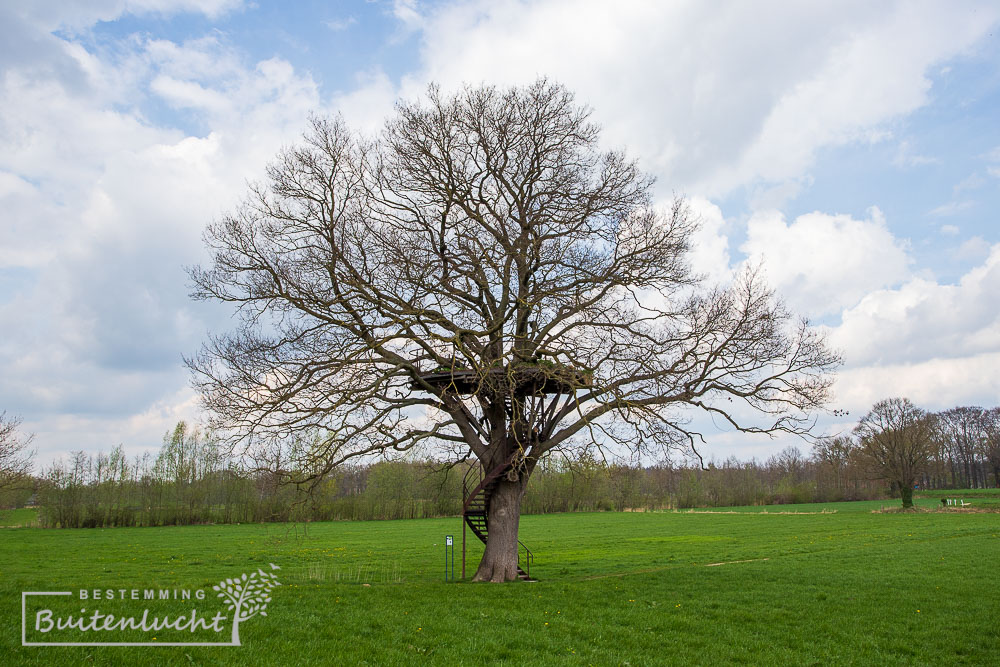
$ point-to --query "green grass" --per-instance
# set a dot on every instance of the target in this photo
(749, 587)
(959, 493)
(977, 498)
(19, 518)
(862, 506)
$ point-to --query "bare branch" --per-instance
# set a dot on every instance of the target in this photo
(16, 453)
(483, 276)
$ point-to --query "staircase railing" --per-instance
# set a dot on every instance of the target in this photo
(529, 558)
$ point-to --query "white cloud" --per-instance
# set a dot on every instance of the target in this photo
(189, 94)
(28, 239)
(406, 12)
(205, 59)
(922, 321)
(906, 157)
(949, 230)
(366, 107)
(210, 8)
(933, 384)
(338, 25)
(972, 249)
(105, 203)
(950, 209)
(766, 196)
(823, 263)
(937, 344)
(140, 432)
(105, 208)
(726, 108)
(710, 243)
(970, 182)
(75, 15)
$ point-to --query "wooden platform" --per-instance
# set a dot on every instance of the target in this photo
(526, 379)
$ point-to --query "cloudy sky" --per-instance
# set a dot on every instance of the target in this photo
(853, 147)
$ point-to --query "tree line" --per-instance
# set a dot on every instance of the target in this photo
(192, 481)
(909, 447)
(194, 478)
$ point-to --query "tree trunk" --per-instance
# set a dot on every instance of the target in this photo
(499, 561)
(906, 493)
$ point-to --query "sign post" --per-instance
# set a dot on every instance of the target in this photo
(449, 556)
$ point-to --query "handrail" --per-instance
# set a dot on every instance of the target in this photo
(466, 496)
(529, 558)
(484, 481)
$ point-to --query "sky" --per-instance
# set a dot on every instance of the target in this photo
(851, 148)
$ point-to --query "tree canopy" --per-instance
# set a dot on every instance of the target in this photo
(483, 274)
(896, 439)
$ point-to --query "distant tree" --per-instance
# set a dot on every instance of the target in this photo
(483, 275)
(896, 440)
(962, 432)
(16, 454)
(834, 455)
(789, 461)
(991, 442)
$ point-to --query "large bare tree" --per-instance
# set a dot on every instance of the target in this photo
(896, 440)
(482, 274)
(16, 453)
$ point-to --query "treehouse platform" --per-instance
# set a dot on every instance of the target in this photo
(526, 379)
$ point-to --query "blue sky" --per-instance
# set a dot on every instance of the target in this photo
(852, 147)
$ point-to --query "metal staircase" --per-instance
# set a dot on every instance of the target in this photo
(477, 490)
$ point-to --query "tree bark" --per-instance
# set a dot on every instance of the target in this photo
(906, 493)
(499, 561)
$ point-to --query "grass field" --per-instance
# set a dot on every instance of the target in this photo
(824, 584)
(20, 518)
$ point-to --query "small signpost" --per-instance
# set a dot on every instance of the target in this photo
(449, 557)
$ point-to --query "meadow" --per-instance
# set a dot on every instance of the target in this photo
(791, 584)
